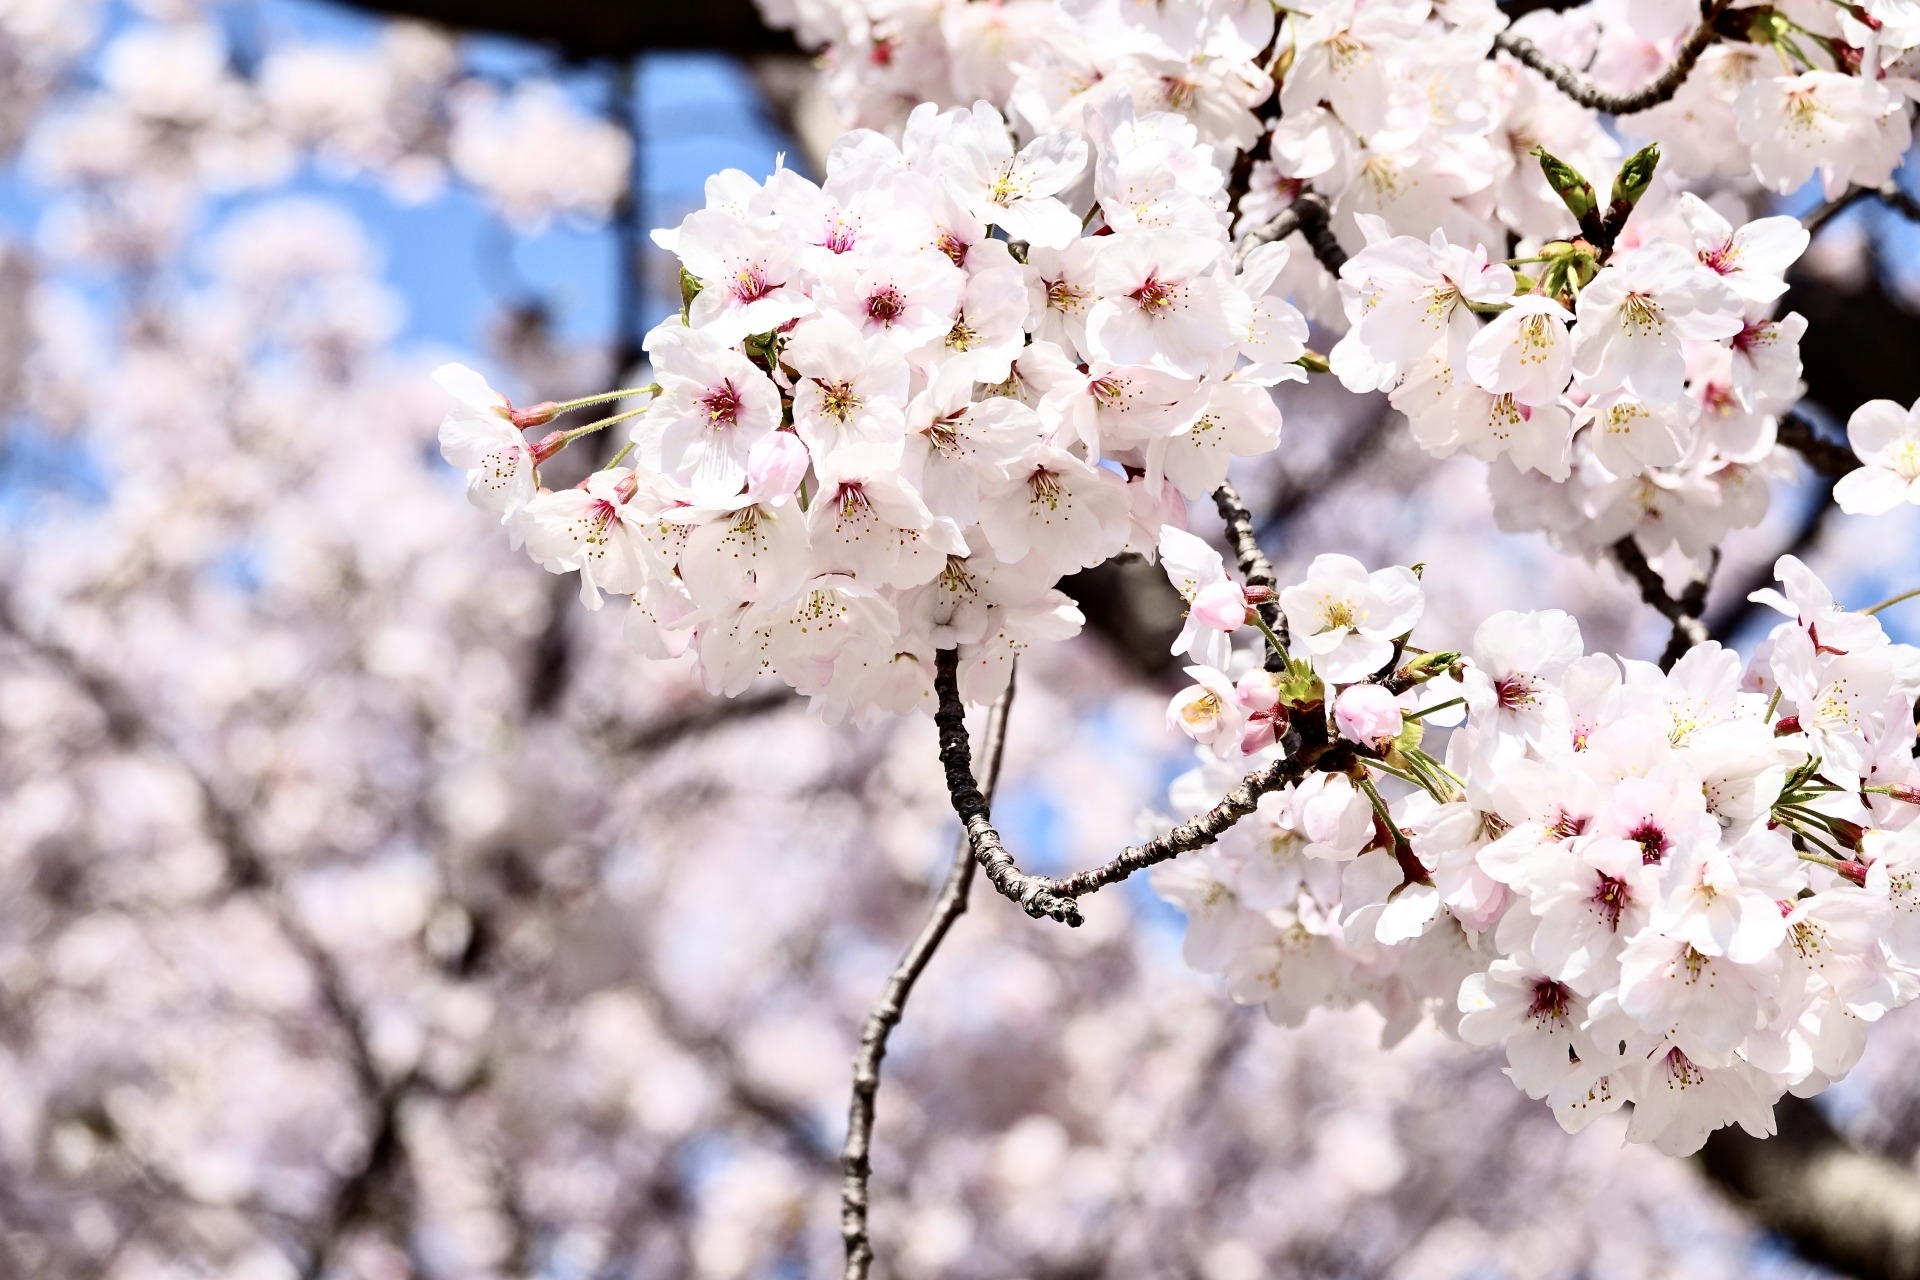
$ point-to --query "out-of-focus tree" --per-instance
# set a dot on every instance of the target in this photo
(367, 911)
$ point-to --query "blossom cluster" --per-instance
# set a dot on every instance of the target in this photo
(1689, 890)
(1635, 392)
(1002, 342)
(1395, 107)
(1424, 117)
(899, 406)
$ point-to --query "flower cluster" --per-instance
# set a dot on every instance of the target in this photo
(900, 405)
(1631, 392)
(1394, 107)
(1688, 890)
(1004, 342)
(1414, 119)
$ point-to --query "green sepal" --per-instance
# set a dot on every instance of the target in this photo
(690, 287)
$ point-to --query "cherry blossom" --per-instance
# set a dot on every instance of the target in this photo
(1887, 440)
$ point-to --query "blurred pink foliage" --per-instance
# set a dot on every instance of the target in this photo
(367, 910)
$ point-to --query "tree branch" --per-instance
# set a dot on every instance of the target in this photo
(855, 1157)
(1839, 1206)
(1587, 94)
(1823, 455)
(1254, 566)
(1204, 828)
(584, 29)
(1305, 748)
(1309, 215)
(1031, 892)
(1683, 611)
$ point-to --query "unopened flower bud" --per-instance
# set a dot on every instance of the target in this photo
(548, 445)
(1785, 726)
(1574, 190)
(534, 415)
(1220, 605)
(1368, 715)
(1258, 691)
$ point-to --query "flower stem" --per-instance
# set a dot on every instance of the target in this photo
(564, 406)
(1890, 601)
(603, 423)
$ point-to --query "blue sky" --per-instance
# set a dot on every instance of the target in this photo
(696, 113)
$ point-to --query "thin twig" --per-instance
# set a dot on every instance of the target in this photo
(1033, 893)
(1204, 828)
(1588, 94)
(1305, 748)
(1254, 567)
(856, 1156)
(1825, 456)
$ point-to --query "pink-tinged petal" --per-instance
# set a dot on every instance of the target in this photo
(776, 466)
(1221, 605)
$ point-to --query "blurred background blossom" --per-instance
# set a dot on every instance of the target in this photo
(366, 910)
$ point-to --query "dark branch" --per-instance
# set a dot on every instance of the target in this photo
(1890, 194)
(1031, 892)
(1825, 456)
(586, 29)
(856, 1157)
(1306, 748)
(1204, 828)
(1309, 215)
(1735, 611)
(1587, 94)
(1682, 611)
(1254, 565)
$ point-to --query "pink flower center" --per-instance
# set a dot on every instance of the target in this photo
(722, 406)
(1652, 841)
(1611, 897)
(1156, 295)
(886, 305)
(1514, 692)
(1550, 1002)
(1567, 825)
(953, 246)
(750, 284)
(1723, 258)
(840, 238)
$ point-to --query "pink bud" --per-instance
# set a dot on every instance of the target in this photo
(1258, 691)
(548, 445)
(776, 466)
(535, 415)
(1367, 714)
(1222, 606)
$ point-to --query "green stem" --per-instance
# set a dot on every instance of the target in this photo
(1890, 601)
(1273, 641)
(601, 425)
(1438, 706)
(565, 406)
